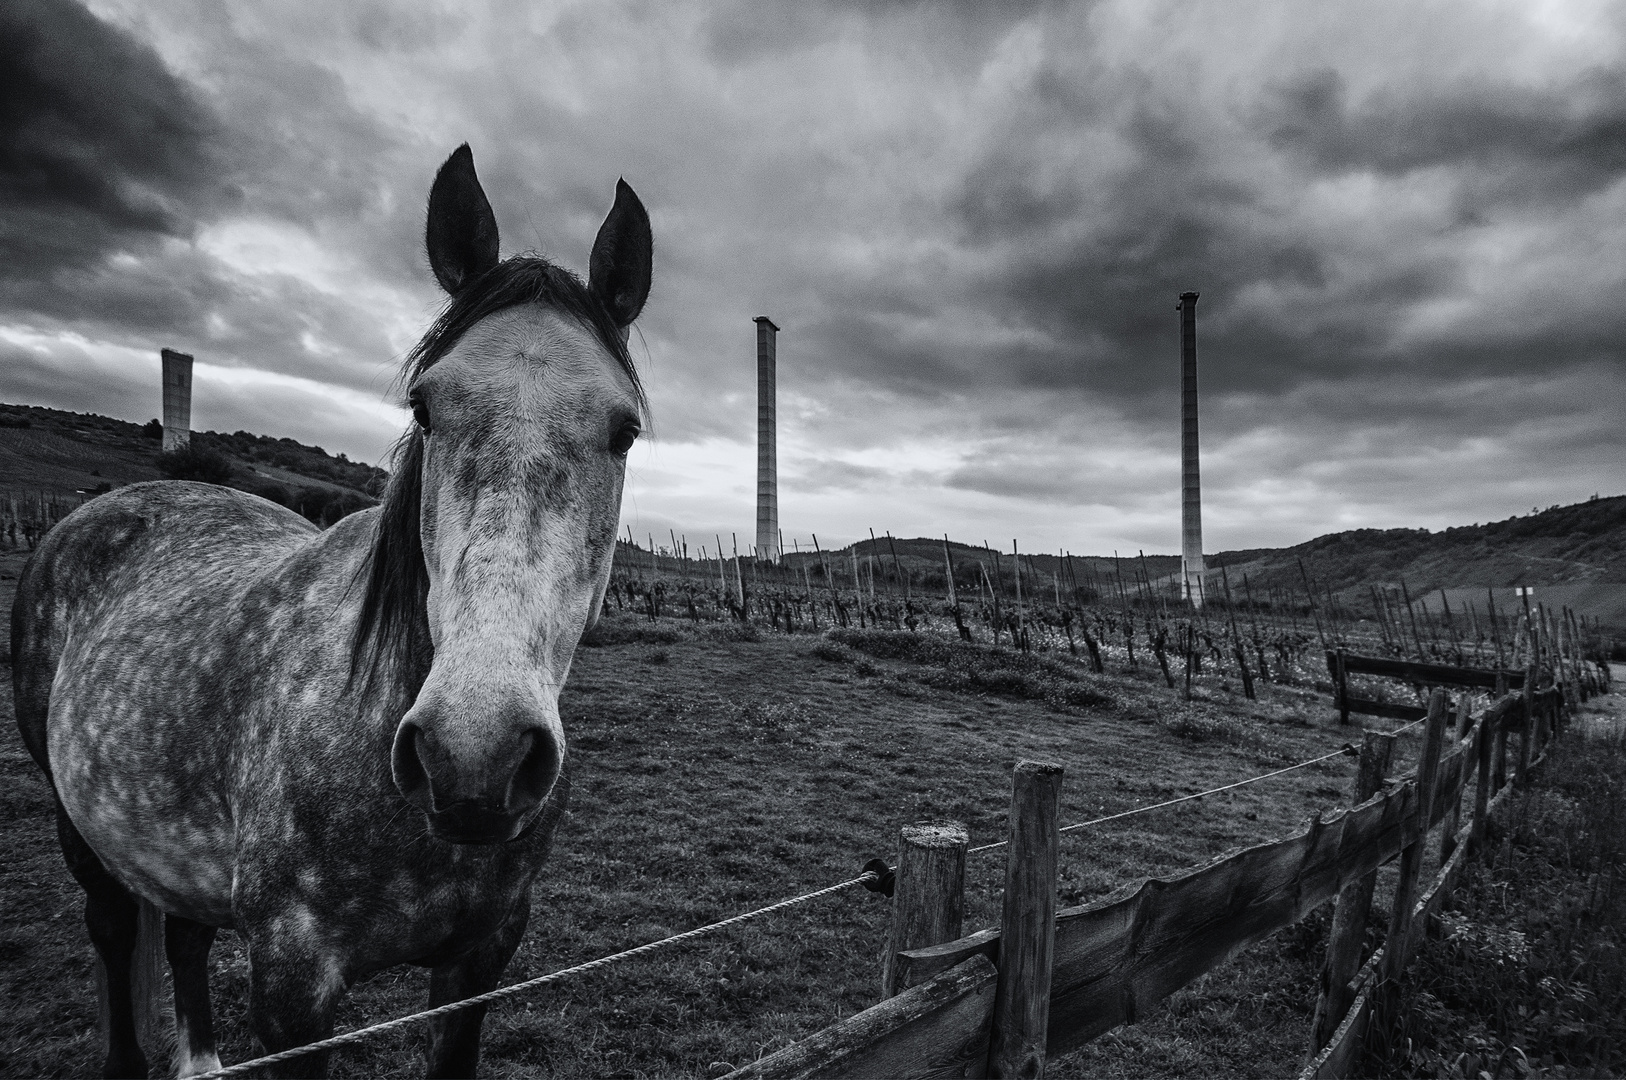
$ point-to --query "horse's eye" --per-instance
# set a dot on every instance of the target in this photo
(420, 413)
(624, 437)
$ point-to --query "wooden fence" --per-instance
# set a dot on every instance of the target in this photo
(998, 1002)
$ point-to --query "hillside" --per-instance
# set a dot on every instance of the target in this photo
(58, 457)
(1575, 554)
(1584, 543)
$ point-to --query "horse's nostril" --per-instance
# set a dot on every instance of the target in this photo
(538, 769)
(406, 765)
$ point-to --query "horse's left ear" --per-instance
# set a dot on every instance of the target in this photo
(619, 268)
(462, 232)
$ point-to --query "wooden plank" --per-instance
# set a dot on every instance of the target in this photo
(1337, 1060)
(1115, 959)
(1427, 674)
(1393, 710)
(937, 1029)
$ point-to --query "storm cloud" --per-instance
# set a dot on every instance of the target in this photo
(971, 220)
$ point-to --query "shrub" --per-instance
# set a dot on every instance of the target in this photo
(974, 669)
(152, 429)
(835, 654)
(195, 462)
(1199, 728)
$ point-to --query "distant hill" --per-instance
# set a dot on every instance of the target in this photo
(65, 457)
(1584, 543)
(1573, 555)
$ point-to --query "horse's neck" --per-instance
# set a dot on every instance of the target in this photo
(341, 554)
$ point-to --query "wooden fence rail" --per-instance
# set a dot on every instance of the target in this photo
(1114, 960)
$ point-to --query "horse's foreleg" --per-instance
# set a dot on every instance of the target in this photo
(111, 915)
(187, 945)
(454, 1040)
(294, 988)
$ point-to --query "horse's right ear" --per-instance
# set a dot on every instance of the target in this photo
(462, 231)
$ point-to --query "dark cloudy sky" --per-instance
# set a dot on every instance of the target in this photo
(971, 220)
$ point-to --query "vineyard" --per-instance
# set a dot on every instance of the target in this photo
(1090, 608)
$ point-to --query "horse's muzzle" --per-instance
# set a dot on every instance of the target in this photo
(474, 797)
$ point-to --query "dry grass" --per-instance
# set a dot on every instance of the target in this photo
(714, 774)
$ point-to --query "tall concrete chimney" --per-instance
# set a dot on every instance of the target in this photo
(767, 454)
(1191, 498)
(177, 400)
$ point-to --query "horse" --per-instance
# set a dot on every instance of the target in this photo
(345, 745)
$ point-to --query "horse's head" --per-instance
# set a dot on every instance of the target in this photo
(526, 405)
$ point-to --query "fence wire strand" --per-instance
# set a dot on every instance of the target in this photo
(868, 877)
(500, 993)
(1340, 752)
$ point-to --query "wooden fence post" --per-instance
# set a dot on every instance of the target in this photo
(1349, 917)
(146, 984)
(1499, 754)
(1482, 789)
(1027, 935)
(1453, 816)
(1343, 690)
(1523, 764)
(928, 898)
(1398, 942)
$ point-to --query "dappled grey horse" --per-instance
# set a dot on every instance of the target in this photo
(346, 745)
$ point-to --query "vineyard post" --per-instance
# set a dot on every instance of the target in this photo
(1027, 934)
(928, 900)
(1253, 621)
(1021, 622)
(1411, 613)
(1397, 944)
(1349, 916)
(1309, 594)
(858, 589)
(1236, 639)
(1496, 630)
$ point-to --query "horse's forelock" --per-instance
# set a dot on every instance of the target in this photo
(394, 620)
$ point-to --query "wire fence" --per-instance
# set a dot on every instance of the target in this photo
(870, 878)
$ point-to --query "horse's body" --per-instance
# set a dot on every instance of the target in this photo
(345, 744)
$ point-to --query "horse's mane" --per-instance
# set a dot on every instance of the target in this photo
(394, 620)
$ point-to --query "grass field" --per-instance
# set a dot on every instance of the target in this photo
(714, 773)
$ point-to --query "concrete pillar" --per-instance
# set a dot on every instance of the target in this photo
(767, 454)
(177, 400)
(1191, 499)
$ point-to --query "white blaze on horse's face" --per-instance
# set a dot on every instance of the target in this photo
(527, 421)
(522, 472)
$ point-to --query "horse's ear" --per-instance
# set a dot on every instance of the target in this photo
(618, 270)
(462, 232)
